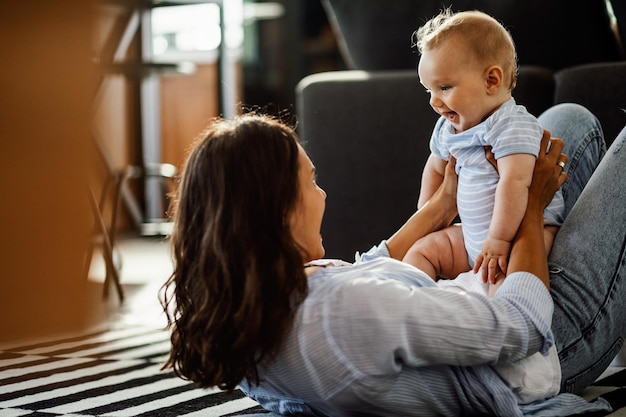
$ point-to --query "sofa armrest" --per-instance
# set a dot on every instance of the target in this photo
(367, 133)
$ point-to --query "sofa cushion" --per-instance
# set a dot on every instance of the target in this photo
(535, 88)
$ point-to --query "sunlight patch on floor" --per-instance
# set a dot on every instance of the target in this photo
(141, 260)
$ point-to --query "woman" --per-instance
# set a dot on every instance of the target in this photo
(379, 337)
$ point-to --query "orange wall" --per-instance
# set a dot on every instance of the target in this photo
(47, 159)
(47, 83)
(188, 103)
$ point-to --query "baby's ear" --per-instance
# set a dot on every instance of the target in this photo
(494, 77)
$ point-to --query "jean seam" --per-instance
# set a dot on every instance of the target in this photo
(587, 330)
(570, 384)
(587, 333)
(594, 135)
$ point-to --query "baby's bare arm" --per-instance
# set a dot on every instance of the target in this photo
(516, 173)
(509, 208)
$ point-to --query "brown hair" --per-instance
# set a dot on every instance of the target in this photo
(238, 274)
(489, 42)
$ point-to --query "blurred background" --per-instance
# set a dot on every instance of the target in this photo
(101, 100)
(174, 65)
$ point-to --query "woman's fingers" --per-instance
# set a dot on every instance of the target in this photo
(549, 174)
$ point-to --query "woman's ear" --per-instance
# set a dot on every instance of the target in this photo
(494, 77)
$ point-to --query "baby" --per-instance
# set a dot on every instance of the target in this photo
(469, 66)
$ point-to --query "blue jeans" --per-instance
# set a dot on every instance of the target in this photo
(587, 262)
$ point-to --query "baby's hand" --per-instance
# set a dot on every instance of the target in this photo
(493, 260)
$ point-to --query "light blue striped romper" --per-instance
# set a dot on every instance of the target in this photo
(509, 130)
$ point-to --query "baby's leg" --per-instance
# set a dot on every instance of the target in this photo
(440, 254)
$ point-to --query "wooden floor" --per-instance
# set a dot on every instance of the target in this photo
(145, 264)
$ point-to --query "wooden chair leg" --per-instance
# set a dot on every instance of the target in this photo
(112, 273)
(117, 192)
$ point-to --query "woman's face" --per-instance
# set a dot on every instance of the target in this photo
(306, 221)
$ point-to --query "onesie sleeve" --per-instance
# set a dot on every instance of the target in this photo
(514, 132)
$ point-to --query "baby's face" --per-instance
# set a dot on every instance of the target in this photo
(456, 84)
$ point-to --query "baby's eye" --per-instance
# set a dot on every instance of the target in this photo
(445, 87)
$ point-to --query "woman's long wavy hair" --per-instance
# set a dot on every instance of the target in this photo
(238, 274)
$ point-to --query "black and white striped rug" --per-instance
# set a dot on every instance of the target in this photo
(116, 372)
(112, 372)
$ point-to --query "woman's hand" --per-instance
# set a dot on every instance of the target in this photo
(528, 253)
(445, 196)
(450, 181)
(548, 175)
(437, 213)
(547, 160)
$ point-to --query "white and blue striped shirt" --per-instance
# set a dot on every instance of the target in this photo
(380, 338)
(509, 130)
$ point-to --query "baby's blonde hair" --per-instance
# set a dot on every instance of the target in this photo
(481, 34)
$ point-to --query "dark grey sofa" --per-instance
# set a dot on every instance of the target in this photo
(368, 131)
(367, 128)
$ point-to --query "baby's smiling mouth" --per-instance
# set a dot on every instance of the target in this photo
(452, 116)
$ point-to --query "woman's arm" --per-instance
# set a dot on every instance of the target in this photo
(434, 326)
(528, 253)
(437, 213)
